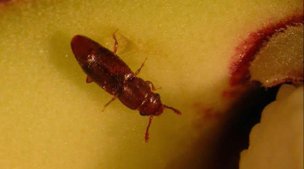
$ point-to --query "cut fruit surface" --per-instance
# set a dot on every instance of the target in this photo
(50, 118)
(277, 142)
(281, 59)
(265, 38)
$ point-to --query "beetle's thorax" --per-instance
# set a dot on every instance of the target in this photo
(136, 94)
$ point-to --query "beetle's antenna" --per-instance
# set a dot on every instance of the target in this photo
(173, 109)
(147, 129)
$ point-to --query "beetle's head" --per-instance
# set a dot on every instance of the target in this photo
(152, 106)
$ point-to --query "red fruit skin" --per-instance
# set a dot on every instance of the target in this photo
(246, 51)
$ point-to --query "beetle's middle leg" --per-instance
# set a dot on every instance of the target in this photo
(115, 47)
(109, 102)
(141, 66)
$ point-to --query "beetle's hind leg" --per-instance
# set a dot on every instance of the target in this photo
(108, 103)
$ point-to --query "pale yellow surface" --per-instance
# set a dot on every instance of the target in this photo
(49, 117)
(277, 142)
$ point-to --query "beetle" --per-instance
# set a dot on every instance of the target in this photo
(105, 68)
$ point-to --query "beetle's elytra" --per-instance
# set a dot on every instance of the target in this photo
(105, 68)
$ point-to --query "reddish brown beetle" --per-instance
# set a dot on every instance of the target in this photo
(107, 70)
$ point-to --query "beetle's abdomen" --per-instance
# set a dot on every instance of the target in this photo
(103, 77)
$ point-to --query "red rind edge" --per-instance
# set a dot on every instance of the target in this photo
(246, 51)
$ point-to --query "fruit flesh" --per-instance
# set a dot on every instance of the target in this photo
(271, 38)
(281, 59)
(277, 142)
(50, 118)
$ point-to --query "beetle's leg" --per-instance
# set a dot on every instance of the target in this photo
(89, 79)
(147, 129)
(115, 47)
(141, 66)
(152, 87)
(109, 102)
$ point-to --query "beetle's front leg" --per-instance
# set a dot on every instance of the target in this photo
(152, 87)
